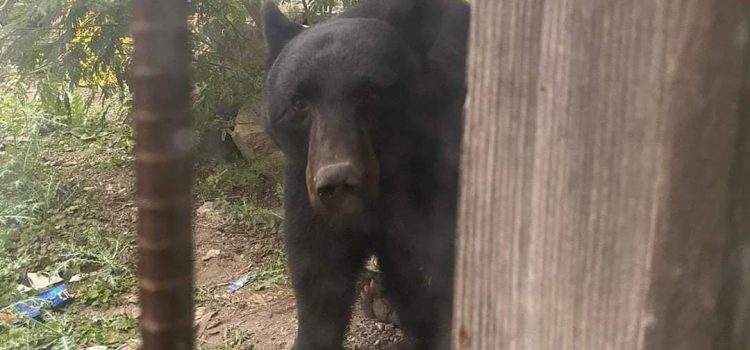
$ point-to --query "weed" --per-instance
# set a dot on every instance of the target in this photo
(29, 189)
(51, 220)
(69, 331)
(232, 339)
(10, 268)
(272, 273)
(93, 250)
(48, 225)
(243, 179)
(248, 215)
(107, 259)
(249, 193)
(201, 295)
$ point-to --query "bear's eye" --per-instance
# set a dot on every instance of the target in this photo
(299, 103)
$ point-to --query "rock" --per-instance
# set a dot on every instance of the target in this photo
(248, 133)
(251, 140)
(210, 254)
(249, 113)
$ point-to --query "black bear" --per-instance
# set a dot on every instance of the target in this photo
(367, 109)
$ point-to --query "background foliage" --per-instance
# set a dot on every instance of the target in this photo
(66, 143)
(56, 46)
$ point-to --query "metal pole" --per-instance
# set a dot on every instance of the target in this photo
(163, 173)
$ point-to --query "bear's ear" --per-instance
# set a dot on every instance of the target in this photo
(277, 29)
(418, 21)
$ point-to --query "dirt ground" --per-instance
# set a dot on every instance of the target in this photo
(222, 253)
(269, 315)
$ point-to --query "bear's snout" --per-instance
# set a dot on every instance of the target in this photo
(342, 171)
(337, 189)
(335, 181)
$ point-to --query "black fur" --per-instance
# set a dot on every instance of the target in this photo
(408, 56)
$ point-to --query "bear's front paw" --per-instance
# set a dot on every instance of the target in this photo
(375, 304)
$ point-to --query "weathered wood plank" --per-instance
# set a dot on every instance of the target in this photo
(600, 176)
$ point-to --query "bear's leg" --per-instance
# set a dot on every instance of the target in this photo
(324, 273)
(419, 284)
(424, 317)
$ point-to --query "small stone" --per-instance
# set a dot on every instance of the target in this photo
(212, 253)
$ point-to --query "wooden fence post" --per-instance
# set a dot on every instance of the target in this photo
(605, 196)
(163, 173)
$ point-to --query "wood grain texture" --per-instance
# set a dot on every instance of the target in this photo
(164, 173)
(735, 297)
(600, 176)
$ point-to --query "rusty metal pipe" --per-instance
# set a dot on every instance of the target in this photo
(163, 173)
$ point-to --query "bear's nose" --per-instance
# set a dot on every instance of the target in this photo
(337, 180)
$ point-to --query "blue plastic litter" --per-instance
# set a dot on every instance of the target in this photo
(52, 298)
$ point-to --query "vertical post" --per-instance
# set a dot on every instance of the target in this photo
(163, 173)
(603, 198)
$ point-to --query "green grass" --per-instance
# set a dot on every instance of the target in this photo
(248, 193)
(246, 214)
(52, 220)
(241, 178)
(49, 224)
(68, 330)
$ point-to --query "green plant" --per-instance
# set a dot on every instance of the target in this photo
(29, 189)
(241, 179)
(10, 266)
(49, 224)
(67, 43)
(57, 46)
(68, 331)
(272, 273)
(232, 339)
(104, 290)
(106, 259)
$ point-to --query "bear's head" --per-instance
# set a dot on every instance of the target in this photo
(335, 90)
